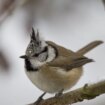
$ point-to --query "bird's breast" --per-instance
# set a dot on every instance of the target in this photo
(53, 79)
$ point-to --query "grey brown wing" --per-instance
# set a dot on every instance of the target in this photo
(69, 63)
(67, 59)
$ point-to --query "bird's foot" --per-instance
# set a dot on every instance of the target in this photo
(85, 86)
(59, 94)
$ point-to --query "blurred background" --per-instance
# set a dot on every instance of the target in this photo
(70, 23)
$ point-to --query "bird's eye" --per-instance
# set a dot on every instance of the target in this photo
(30, 51)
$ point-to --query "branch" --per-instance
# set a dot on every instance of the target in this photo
(4, 64)
(87, 92)
(8, 6)
(103, 2)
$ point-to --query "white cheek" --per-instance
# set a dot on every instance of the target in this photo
(51, 54)
(42, 57)
(35, 63)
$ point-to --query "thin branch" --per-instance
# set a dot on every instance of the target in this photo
(4, 62)
(8, 6)
(78, 95)
(103, 2)
(6, 9)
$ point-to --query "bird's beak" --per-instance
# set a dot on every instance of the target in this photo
(23, 57)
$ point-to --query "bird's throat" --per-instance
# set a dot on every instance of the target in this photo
(29, 67)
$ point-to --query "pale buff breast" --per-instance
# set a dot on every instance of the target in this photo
(51, 80)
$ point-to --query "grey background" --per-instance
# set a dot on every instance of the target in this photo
(72, 24)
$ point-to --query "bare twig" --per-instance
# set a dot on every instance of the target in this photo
(103, 2)
(7, 6)
(4, 62)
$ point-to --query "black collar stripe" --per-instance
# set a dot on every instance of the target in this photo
(29, 67)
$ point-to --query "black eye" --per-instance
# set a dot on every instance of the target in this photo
(30, 51)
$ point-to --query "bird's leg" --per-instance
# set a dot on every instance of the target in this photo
(39, 99)
(59, 93)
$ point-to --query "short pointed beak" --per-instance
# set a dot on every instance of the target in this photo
(23, 57)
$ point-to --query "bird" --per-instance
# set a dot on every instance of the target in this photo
(52, 67)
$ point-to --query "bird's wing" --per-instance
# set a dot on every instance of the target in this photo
(67, 59)
(61, 51)
(70, 62)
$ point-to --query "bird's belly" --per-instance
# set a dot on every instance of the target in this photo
(52, 81)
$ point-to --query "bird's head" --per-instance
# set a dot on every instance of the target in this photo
(37, 47)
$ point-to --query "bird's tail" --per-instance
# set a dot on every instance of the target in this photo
(89, 47)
